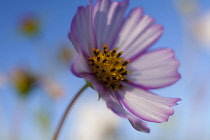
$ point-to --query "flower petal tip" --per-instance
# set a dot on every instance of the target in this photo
(178, 99)
(139, 126)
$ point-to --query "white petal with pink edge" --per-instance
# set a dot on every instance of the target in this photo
(148, 106)
(107, 20)
(114, 104)
(137, 34)
(81, 34)
(154, 69)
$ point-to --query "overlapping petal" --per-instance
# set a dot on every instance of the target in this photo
(154, 69)
(146, 105)
(114, 104)
(80, 66)
(107, 20)
(137, 34)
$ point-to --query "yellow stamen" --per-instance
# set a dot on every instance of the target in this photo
(109, 67)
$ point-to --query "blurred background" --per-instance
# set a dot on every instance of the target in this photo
(36, 84)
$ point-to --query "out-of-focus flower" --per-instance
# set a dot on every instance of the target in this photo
(187, 7)
(113, 57)
(103, 123)
(65, 54)
(53, 88)
(43, 119)
(30, 25)
(201, 29)
(23, 80)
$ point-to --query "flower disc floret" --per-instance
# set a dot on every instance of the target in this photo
(109, 67)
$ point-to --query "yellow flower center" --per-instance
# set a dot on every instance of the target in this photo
(109, 67)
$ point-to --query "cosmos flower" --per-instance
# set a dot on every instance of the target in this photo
(113, 57)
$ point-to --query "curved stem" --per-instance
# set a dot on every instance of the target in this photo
(67, 111)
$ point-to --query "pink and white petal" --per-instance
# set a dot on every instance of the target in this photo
(80, 66)
(149, 95)
(114, 22)
(114, 104)
(143, 41)
(82, 34)
(128, 28)
(100, 11)
(155, 69)
(107, 18)
(148, 106)
(137, 34)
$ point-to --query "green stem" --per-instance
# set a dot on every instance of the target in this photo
(67, 111)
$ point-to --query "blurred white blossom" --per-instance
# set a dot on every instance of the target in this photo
(201, 29)
(96, 122)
